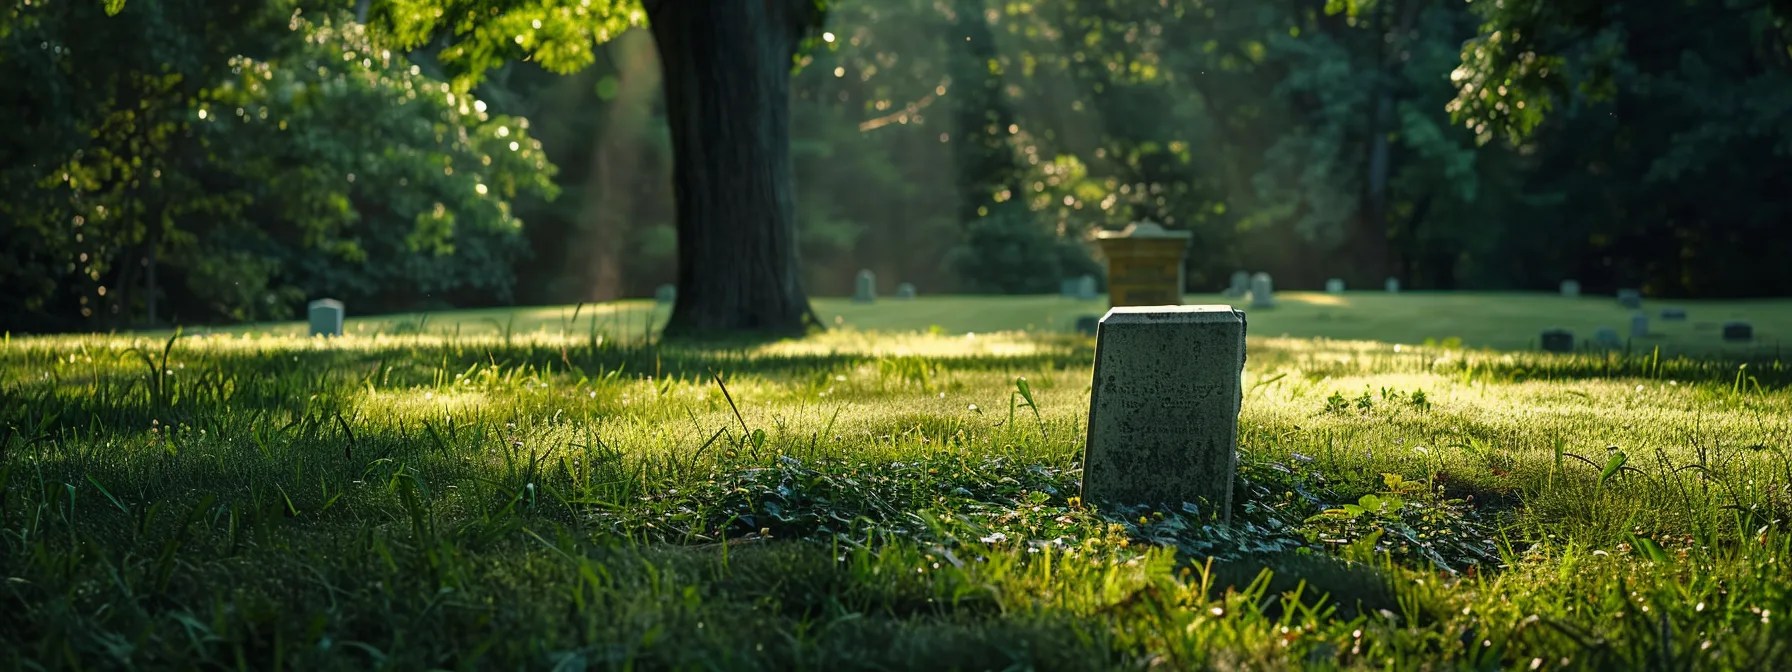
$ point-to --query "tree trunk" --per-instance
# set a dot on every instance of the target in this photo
(149, 294)
(1374, 253)
(727, 70)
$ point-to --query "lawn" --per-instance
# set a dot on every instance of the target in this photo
(562, 494)
(1508, 321)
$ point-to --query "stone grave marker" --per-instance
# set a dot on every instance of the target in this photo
(1241, 285)
(864, 288)
(1607, 337)
(1163, 407)
(1392, 285)
(1085, 288)
(1144, 264)
(1571, 289)
(1639, 325)
(1088, 324)
(1263, 291)
(1736, 331)
(326, 317)
(1630, 298)
(1334, 286)
(666, 294)
(1558, 340)
(905, 291)
(1673, 314)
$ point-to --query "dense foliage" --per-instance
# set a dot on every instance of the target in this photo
(1454, 145)
(1309, 140)
(255, 157)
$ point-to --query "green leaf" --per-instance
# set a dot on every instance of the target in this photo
(113, 7)
(1653, 550)
(1612, 466)
(1026, 390)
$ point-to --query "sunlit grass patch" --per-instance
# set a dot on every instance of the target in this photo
(858, 500)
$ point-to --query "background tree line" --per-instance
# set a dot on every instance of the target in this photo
(255, 153)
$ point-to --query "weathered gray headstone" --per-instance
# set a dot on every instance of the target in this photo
(905, 291)
(1392, 285)
(1739, 331)
(667, 294)
(1630, 298)
(1571, 289)
(1673, 314)
(1085, 287)
(864, 288)
(1088, 324)
(1241, 285)
(1607, 337)
(1558, 340)
(1639, 325)
(1263, 291)
(326, 317)
(1334, 286)
(1163, 407)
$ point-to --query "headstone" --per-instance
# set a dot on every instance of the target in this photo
(1673, 314)
(1144, 264)
(1739, 331)
(1630, 298)
(666, 294)
(1607, 337)
(1087, 324)
(1558, 340)
(1571, 289)
(1085, 288)
(326, 317)
(1241, 285)
(1163, 407)
(905, 291)
(1263, 291)
(1639, 325)
(1334, 286)
(864, 288)
(1392, 285)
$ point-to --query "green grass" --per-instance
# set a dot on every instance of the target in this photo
(574, 497)
(1478, 320)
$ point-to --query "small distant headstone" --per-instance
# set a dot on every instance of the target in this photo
(666, 294)
(326, 317)
(1241, 285)
(1607, 337)
(1163, 407)
(1571, 289)
(864, 288)
(1630, 298)
(1263, 291)
(1673, 314)
(1087, 324)
(1639, 325)
(1739, 331)
(1334, 286)
(1085, 288)
(1393, 285)
(1558, 340)
(905, 291)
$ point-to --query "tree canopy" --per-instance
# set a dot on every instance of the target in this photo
(256, 153)
(961, 145)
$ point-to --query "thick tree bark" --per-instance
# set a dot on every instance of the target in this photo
(727, 70)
